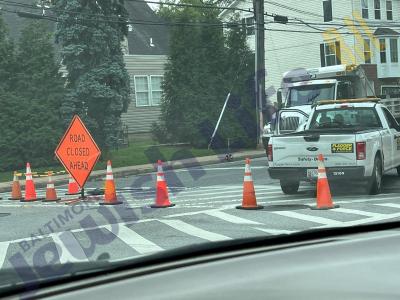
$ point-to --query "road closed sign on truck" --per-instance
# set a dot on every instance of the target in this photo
(78, 151)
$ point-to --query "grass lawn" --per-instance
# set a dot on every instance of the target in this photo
(138, 153)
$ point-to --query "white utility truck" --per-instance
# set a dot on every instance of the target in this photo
(359, 139)
(304, 87)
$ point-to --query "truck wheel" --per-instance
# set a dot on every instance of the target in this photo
(375, 183)
(289, 187)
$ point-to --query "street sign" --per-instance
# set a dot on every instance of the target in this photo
(78, 151)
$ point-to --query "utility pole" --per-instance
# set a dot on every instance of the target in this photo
(259, 79)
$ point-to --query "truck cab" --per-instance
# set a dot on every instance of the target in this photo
(302, 88)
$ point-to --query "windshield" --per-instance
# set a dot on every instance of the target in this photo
(130, 128)
(303, 95)
(361, 118)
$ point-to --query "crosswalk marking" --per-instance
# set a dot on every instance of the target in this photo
(393, 205)
(3, 252)
(357, 212)
(303, 217)
(274, 231)
(135, 240)
(195, 231)
(68, 247)
(230, 218)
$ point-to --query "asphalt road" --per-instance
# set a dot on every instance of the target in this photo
(39, 233)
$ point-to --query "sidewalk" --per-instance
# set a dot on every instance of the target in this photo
(147, 168)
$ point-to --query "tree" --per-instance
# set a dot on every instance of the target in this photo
(7, 59)
(90, 34)
(30, 114)
(204, 65)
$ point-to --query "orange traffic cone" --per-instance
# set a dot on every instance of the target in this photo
(162, 198)
(16, 193)
(51, 194)
(324, 198)
(30, 192)
(110, 196)
(249, 195)
(73, 188)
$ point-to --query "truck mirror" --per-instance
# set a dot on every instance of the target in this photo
(279, 98)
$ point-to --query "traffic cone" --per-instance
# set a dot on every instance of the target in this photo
(162, 198)
(30, 192)
(16, 193)
(324, 198)
(73, 188)
(110, 196)
(51, 194)
(249, 195)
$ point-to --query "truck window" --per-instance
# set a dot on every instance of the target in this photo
(349, 117)
(308, 94)
(390, 119)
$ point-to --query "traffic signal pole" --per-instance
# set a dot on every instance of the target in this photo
(259, 78)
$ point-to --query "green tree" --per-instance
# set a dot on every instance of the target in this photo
(90, 34)
(30, 114)
(204, 66)
(7, 59)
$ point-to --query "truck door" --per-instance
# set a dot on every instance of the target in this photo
(394, 133)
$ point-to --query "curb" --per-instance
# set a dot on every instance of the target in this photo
(143, 169)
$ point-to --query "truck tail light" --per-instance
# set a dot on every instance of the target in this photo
(361, 150)
(270, 153)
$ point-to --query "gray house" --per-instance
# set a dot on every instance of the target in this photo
(145, 48)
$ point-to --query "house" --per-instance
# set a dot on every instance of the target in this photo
(145, 54)
(146, 50)
(329, 32)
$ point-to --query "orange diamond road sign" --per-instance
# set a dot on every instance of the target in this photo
(78, 151)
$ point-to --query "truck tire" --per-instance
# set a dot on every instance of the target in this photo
(289, 187)
(375, 183)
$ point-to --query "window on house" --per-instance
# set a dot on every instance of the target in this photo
(156, 89)
(327, 4)
(330, 54)
(364, 8)
(377, 6)
(394, 51)
(382, 50)
(367, 51)
(148, 90)
(249, 25)
(389, 10)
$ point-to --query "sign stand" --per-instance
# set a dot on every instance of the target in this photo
(82, 197)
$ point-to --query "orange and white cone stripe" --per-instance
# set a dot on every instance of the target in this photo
(30, 191)
(162, 197)
(51, 194)
(324, 197)
(249, 200)
(110, 194)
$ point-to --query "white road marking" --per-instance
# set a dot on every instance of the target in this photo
(135, 240)
(195, 231)
(275, 231)
(309, 218)
(393, 205)
(68, 247)
(357, 212)
(3, 252)
(230, 218)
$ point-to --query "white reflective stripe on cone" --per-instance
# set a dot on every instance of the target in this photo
(28, 177)
(109, 169)
(160, 178)
(247, 169)
(322, 176)
(159, 169)
(109, 177)
(248, 178)
(50, 185)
